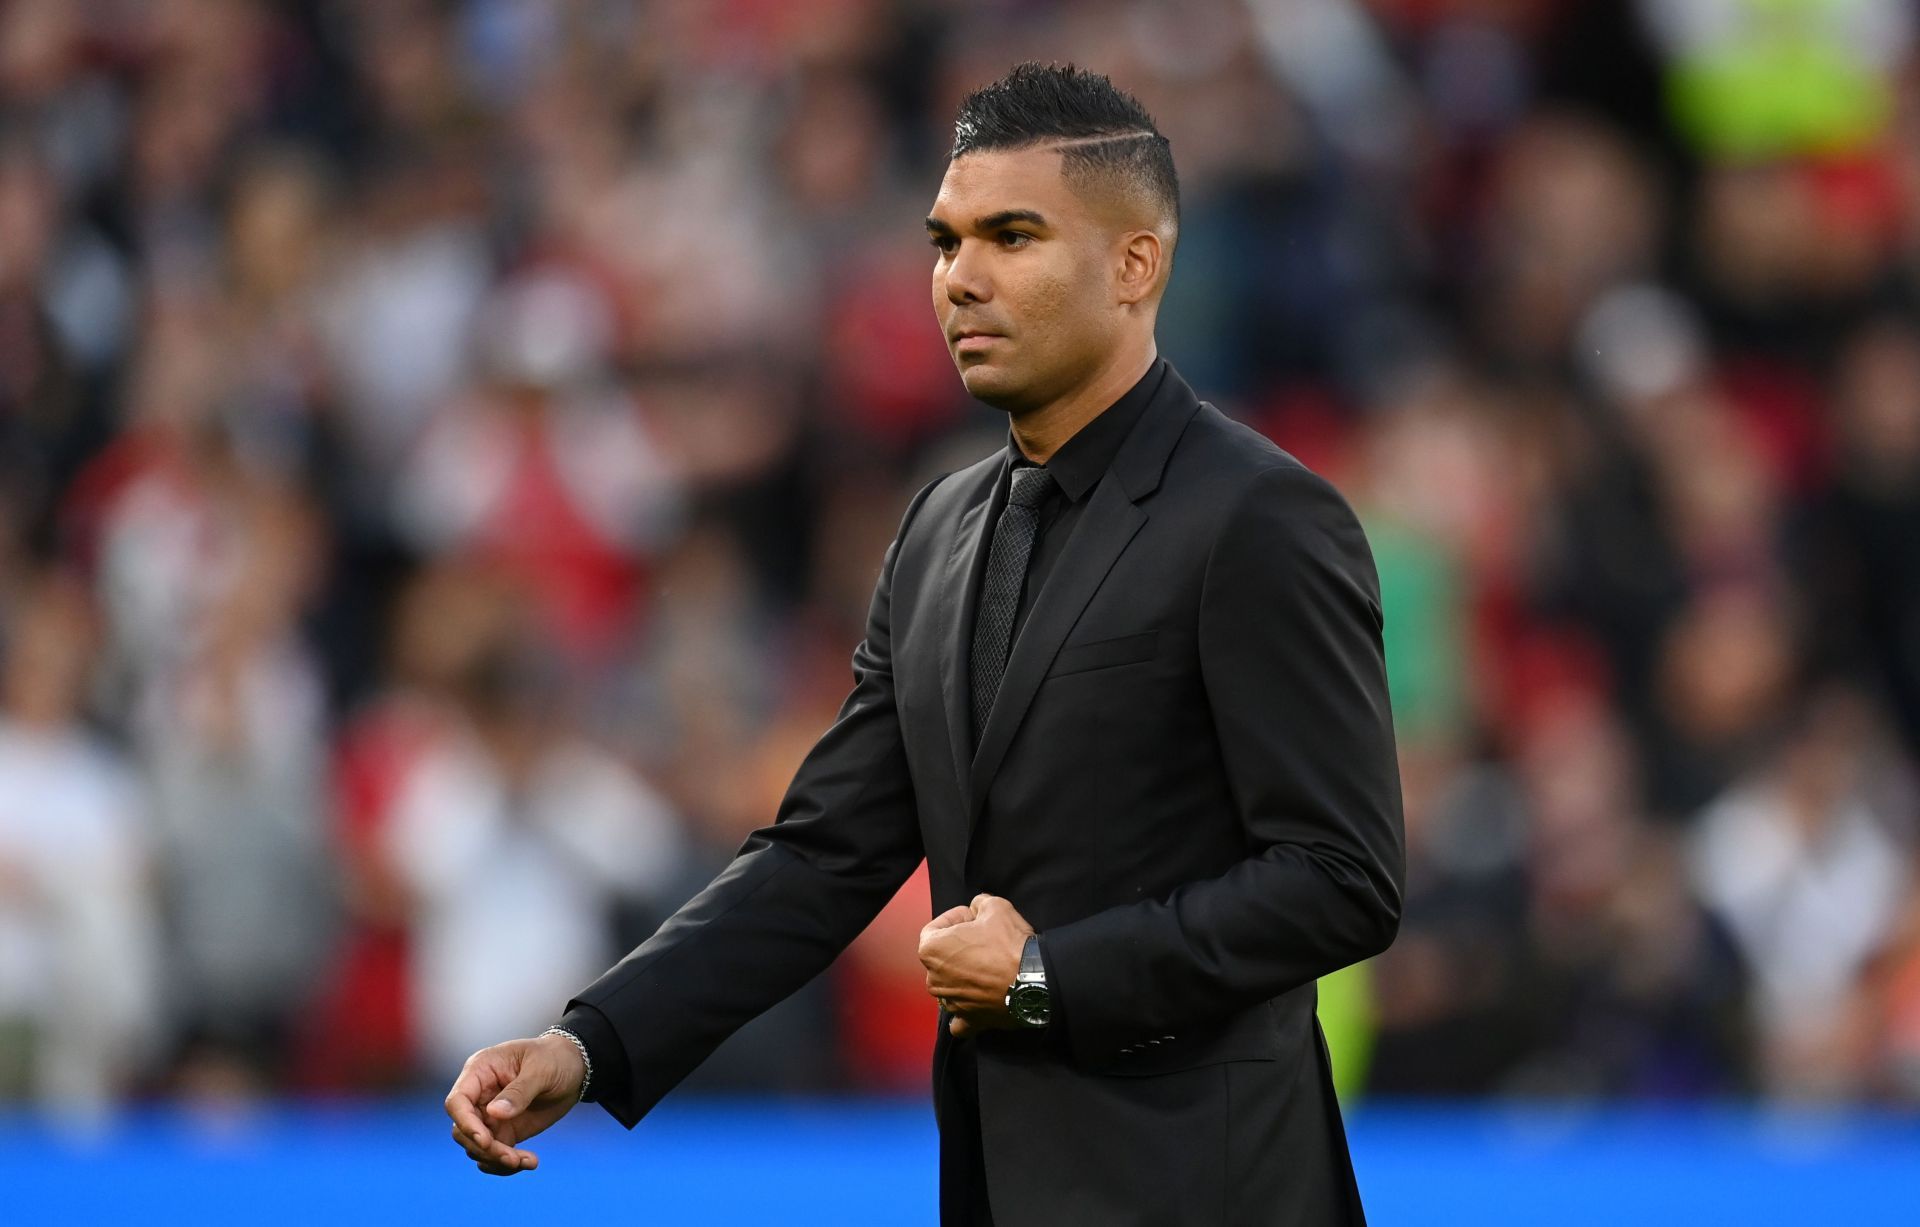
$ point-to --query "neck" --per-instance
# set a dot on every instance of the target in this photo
(1041, 431)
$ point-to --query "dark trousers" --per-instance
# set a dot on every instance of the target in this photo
(964, 1182)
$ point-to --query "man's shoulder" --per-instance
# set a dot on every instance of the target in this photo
(1264, 511)
(961, 487)
(1224, 457)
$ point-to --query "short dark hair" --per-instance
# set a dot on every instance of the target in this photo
(1111, 134)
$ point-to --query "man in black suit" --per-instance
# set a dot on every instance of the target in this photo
(1122, 687)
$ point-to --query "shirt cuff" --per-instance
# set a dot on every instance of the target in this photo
(609, 1057)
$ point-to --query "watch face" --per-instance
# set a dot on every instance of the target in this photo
(1028, 1004)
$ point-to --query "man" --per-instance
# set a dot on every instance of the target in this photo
(1122, 687)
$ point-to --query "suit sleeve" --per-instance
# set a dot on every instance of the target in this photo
(845, 837)
(1295, 677)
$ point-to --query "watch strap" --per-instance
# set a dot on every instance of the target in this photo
(1031, 965)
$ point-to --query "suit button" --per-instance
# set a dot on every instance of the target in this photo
(1166, 1037)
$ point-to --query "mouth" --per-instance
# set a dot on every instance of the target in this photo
(969, 340)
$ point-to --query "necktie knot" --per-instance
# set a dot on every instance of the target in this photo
(1030, 486)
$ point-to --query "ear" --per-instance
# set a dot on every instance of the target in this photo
(1140, 254)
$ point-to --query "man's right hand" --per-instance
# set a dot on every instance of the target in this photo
(509, 1092)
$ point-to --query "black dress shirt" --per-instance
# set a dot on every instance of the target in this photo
(1077, 466)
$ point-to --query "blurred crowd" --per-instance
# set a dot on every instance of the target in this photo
(447, 447)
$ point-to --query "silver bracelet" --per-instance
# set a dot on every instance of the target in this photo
(587, 1061)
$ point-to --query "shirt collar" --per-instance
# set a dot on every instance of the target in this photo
(1077, 464)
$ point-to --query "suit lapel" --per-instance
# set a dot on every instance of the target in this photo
(1112, 518)
(1108, 524)
(959, 592)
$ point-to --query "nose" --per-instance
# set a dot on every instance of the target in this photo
(966, 276)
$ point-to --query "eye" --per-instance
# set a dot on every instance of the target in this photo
(1014, 238)
(944, 242)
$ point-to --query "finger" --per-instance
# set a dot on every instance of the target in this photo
(523, 1161)
(959, 1028)
(929, 950)
(517, 1095)
(463, 1102)
(495, 1152)
(946, 920)
(465, 1141)
(501, 1167)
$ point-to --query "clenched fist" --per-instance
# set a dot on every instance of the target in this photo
(509, 1092)
(972, 955)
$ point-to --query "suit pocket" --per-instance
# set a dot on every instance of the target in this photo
(1106, 653)
(1251, 1035)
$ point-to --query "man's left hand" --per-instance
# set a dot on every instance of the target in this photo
(972, 955)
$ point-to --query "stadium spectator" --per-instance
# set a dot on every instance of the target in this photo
(80, 1014)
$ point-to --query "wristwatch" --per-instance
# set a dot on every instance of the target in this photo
(1027, 999)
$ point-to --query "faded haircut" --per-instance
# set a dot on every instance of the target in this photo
(1106, 137)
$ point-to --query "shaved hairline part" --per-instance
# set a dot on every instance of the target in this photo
(1071, 141)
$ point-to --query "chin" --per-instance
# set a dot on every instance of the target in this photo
(991, 384)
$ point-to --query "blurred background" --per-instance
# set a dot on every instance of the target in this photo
(447, 447)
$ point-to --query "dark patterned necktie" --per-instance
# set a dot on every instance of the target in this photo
(1000, 593)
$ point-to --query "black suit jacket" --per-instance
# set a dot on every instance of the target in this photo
(1187, 785)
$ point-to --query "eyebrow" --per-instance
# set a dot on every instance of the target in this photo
(992, 221)
(1007, 217)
